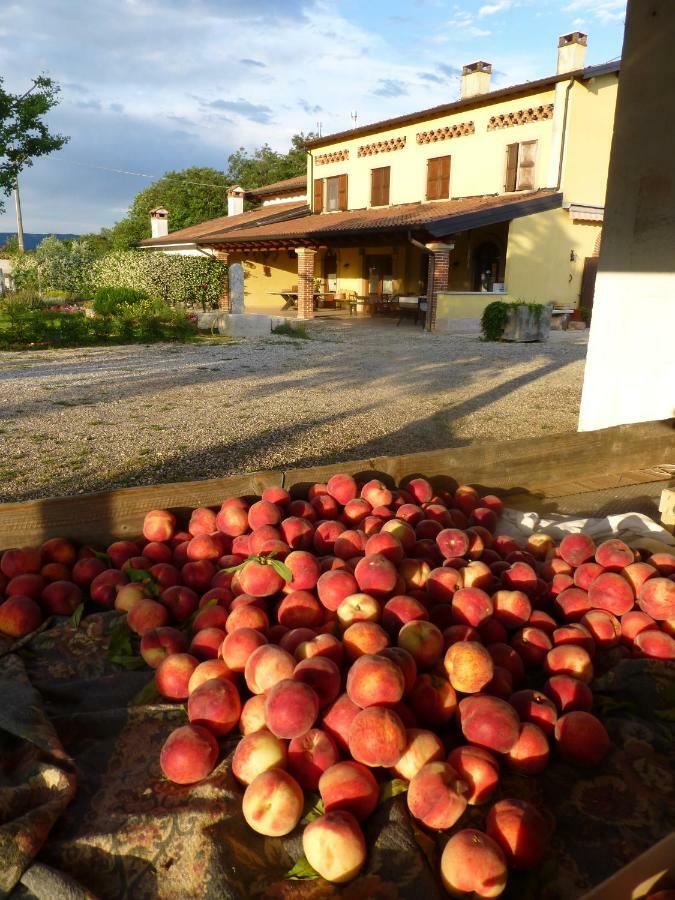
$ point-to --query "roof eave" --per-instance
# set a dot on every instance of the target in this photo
(494, 215)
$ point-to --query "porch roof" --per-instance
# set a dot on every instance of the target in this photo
(437, 219)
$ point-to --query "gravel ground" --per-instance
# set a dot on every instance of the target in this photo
(76, 421)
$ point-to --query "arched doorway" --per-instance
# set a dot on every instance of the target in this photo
(487, 266)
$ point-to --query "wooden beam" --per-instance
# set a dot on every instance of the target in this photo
(525, 466)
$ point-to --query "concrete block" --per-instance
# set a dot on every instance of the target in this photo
(246, 325)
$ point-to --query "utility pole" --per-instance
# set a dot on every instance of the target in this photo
(19, 220)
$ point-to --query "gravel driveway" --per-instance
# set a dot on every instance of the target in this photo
(75, 421)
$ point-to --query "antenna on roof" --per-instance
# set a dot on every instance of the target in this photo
(354, 116)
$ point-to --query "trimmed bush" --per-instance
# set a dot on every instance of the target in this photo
(109, 301)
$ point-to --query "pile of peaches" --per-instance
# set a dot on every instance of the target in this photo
(363, 635)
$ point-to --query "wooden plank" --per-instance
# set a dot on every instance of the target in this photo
(520, 467)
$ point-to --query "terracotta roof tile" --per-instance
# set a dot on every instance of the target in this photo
(297, 184)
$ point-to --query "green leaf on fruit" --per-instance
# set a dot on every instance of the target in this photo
(127, 662)
(147, 695)
(76, 618)
(145, 578)
(102, 556)
(235, 568)
(313, 808)
(281, 569)
(391, 789)
(301, 871)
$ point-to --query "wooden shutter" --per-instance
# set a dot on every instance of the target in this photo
(526, 160)
(511, 167)
(342, 192)
(379, 186)
(444, 178)
(438, 178)
(432, 178)
(318, 195)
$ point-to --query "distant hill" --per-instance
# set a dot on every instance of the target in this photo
(32, 240)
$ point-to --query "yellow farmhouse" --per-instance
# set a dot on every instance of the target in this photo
(500, 192)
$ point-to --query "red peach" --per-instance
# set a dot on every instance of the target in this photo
(325, 507)
(20, 561)
(215, 705)
(535, 707)
(338, 718)
(86, 570)
(364, 638)
(263, 513)
(321, 674)
(399, 610)
(473, 862)
(322, 645)
(410, 513)
(180, 601)
(189, 754)
(265, 667)
(582, 738)
(273, 802)
(633, 622)
(501, 684)
(530, 754)
(654, 644)
(247, 615)
(489, 722)
(422, 747)
(576, 549)
(437, 796)
(351, 787)
(603, 626)
(301, 509)
(469, 666)
(275, 494)
(477, 575)
(478, 769)
(205, 671)
(165, 574)
(402, 531)
(521, 831)
(325, 535)
(423, 640)
(471, 606)
(405, 662)
(375, 681)
(334, 846)
(252, 717)
(377, 737)
(202, 521)
(376, 493)
(569, 659)
(210, 617)
(442, 584)
(19, 616)
(239, 646)
(297, 532)
(540, 545)
(260, 579)
(156, 552)
(511, 608)
(231, 520)
(358, 608)
(61, 598)
(433, 700)
(147, 615)
(263, 535)
(207, 642)
(375, 575)
(292, 639)
(159, 643)
(172, 676)
(334, 586)
(309, 756)
(559, 584)
(452, 542)
(543, 621)
(663, 562)
(611, 592)
(505, 656)
(575, 633)
(103, 588)
(657, 598)
(342, 488)
(256, 753)
(29, 585)
(300, 609)
(128, 595)
(492, 632)
(386, 545)
(586, 573)
(569, 693)
(58, 550)
(120, 551)
(520, 576)
(637, 573)
(305, 571)
(532, 645)
(614, 555)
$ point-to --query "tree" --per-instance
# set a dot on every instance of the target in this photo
(24, 136)
(265, 166)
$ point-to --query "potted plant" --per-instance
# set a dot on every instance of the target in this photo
(519, 322)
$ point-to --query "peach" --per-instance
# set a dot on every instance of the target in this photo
(452, 542)
(263, 536)
(156, 552)
(633, 622)
(120, 551)
(55, 572)
(301, 509)
(663, 562)
(419, 489)
(603, 626)
(540, 545)
(273, 802)
(19, 616)
(486, 518)
(86, 570)
(574, 633)
(29, 585)
(582, 738)
(377, 493)
(373, 524)
(569, 693)
(216, 705)
(256, 753)
(239, 645)
(334, 846)
(611, 592)
(180, 601)
(231, 520)
(158, 643)
(654, 644)
(586, 573)
(350, 544)
(291, 708)
(471, 606)
(305, 570)
(335, 586)
(423, 640)
(422, 747)
(309, 756)
(410, 513)
(437, 796)
(325, 507)
(442, 584)
(260, 579)
(265, 667)
(205, 671)
(614, 555)
(492, 632)
(376, 575)
(297, 532)
(342, 488)
(338, 718)
(473, 862)
(325, 535)
(637, 573)
(576, 549)
(263, 513)
(20, 561)
(206, 643)
(478, 769)
(399, 610)
(59, 550)
(520, 576)
(477, 575)
(386, 545)
(535, 707)
(300, 609)
(532, 645)
(128, 595)
(530, 754)
(504, 655)
(147, 615)
(521, 831)
(569, 659)
(165, 574)
(657, 598)
(469, 666)
(189, 754)
(405, 662)
(322, 675)
(402, 531)
(321, 645)
(432, 700)
(291, 640)
(364, 638)
(276, 495)
(511, 608)
(501, 684)
(210, 617)
(358, 608)
(61, 598)
(374, 680)
(377, 737)
(542, 620)
(455, 633)
(252, 717)
(103, 587)
(489, 722)
(173, 674)
(246, 615)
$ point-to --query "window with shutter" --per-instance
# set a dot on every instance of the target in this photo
(342, 192)
(438, 178)
(332, 194)
(527, 153)
(379, 186)
(511, 167)
(318, 195)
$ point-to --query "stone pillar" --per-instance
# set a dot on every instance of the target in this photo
(305, 282)
(439, 267)
(224, 299)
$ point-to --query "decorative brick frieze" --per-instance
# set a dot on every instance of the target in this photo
(323, 159)
(445, 133)
(521, 117)
(397, 143)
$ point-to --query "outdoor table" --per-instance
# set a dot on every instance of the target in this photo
(414, 303)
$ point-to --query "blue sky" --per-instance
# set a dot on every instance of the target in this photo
(154, 85)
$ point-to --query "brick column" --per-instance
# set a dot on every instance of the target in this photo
(439, 268)
(305, 282)
(224, 299)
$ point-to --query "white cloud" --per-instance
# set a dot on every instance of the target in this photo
(491, 8)
(605, 11)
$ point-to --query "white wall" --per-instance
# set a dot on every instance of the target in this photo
(630, 367)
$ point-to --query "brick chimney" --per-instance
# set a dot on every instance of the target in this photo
(235, 201)
(159, 222)
(476, 79)
(571, 52)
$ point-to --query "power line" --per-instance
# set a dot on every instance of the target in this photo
(74, 162)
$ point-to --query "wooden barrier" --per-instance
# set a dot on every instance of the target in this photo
(530, 467)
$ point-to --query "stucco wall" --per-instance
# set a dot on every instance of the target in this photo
(467, 305)
(589, 140)
(264, 273)
(538, 263)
